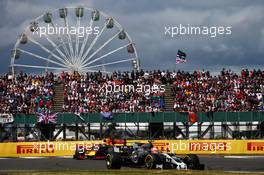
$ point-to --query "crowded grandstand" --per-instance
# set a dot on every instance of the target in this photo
(198, 91)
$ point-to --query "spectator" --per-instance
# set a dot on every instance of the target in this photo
(26, 93)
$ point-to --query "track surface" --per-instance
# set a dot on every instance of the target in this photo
(212, 163)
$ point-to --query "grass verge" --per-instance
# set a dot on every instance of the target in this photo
(128, 172)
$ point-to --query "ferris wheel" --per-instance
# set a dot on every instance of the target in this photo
(74, 39)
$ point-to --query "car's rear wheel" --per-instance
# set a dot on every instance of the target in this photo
(113, 161)
(151, 161)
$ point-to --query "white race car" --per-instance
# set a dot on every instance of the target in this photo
(147, 156)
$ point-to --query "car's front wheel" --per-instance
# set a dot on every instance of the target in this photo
(192, 161)
(150, 162)
(113, 161)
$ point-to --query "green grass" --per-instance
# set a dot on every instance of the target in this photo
(127, 172)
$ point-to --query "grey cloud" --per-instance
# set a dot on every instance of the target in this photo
(145, 21)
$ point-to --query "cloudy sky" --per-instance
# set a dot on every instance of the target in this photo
(145, 21)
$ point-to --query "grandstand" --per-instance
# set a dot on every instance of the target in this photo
(190, 92)
(228, 105)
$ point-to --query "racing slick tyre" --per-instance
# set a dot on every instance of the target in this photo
(192, 161)
(134, 157)
(152, 160)
(113, 161)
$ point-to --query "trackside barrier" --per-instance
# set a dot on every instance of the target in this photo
(145, 117)
(67, 148)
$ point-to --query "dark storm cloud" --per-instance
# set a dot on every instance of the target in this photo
(145, 21)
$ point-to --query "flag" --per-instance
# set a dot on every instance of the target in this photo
(181, 57)
(47, 118)
(107, 115)
(79, 116)
(192, 117)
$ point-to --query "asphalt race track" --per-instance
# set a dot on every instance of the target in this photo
(55, 163)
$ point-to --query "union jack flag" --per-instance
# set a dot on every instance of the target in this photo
(79, 116)
(181, 57)
(47, 118)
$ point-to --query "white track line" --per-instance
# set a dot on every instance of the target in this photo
(33, 157)
(65, 157)
(245, 172)
(244, 157)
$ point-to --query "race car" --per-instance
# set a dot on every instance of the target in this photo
(97, 152)
(145, 155)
